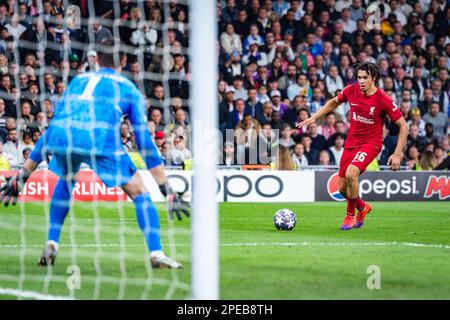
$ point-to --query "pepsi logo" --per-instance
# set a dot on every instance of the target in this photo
(333, 188)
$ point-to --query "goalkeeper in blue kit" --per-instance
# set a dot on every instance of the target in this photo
(86, 129)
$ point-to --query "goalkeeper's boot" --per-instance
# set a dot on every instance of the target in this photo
(361, 215)
(48, 256)
(164, 262)
(349, 222)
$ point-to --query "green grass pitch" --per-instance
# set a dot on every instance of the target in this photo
(409, 242)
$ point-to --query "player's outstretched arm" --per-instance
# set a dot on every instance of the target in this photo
(327, 108)
(395, 159)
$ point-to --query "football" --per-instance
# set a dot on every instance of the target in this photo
(285, 219)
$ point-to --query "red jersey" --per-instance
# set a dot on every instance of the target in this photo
(367, 115)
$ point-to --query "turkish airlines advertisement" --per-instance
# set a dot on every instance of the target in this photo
(388, 186)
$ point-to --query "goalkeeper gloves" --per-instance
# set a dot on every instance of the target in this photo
(176, 203)
(9, 193)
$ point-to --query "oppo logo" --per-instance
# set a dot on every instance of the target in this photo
(236, 185)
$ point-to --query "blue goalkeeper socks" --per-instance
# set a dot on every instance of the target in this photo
(148, 221)
(59, 208)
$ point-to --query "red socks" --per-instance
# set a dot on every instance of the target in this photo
(360, 204)
(353, 204)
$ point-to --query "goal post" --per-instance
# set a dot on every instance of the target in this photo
(204, 106)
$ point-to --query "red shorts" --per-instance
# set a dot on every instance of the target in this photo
(360, 157)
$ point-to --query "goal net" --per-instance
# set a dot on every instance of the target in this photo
(102, 253)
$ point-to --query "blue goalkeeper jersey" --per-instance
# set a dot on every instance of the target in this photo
(88, 117)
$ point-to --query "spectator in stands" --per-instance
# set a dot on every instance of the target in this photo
(181, 120)
(414, 139)
(429, 133)
(318, 141)
(324, 158)
(327, 128)
(237, 115)
(277, 121)
(337, 147)
(239, 91)
(40, 124)
(100, 32)
(283, 160)
(255, 55)
(303, 114)
(156, 117)
(311, 154)
(267, 144)
(309, 40)
(299, 157)
(228, 155)
(286, 136)
(230, 41)
(180, 153)
(56, 96)
(159, 139)
(125, 136)
(333, 80)
(318, 100)
(266, 115)
(253, 106)
(439, 155)
(26, 118)
(91, 63)
(26, 143)
(4, 163)
(415, 118)
(438, 119)
(11, 147)
(413, 157)
(166, 153)
(230, 12)
(263, 97)
(225, 107)
(277, 105)
(427, 161)
(301, 87)
(48, 109)
(289, 79)
(3, 114)
(157, 98)
(253, 38)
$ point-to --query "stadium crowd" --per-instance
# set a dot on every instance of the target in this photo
(279, 62)
(44, 44)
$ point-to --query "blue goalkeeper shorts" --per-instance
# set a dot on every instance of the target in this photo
(112, 170)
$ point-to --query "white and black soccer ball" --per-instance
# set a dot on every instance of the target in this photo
(285, 219)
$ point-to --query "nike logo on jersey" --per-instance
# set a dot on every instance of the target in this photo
(353, 104)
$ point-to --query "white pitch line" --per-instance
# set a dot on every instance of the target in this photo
(31, 294)
(251, 244)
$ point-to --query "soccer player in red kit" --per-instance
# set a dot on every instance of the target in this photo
(369, 106)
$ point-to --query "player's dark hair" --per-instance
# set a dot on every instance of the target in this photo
(106, 54)
(371, 68)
